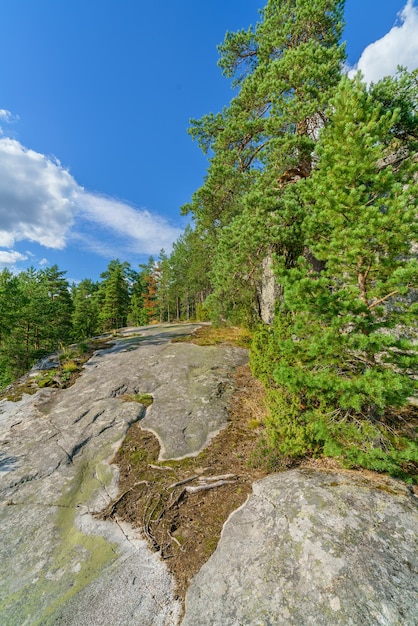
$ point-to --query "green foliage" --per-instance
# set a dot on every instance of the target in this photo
(113, 296)
(285, 70)
(300, 424)
(35, 314)
(400, 94)
(47, 378)
(137, 315)
(145, 399)
(149, 277)
(40, 314)
(59, 307)
(339, 353)
(183, 281)
(85, 309)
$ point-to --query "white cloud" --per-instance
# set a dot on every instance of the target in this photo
(7, 117)
(92, 243)
(36, 197)
(145, 232)
(41, 202)
(43, 262)
(398, 47)
(10, 257)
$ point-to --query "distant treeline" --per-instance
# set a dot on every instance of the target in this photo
(40, 311)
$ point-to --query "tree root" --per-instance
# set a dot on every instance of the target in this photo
(206, 486)
(110, 509)
(183, 482)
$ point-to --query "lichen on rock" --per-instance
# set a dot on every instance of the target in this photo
(313, 547)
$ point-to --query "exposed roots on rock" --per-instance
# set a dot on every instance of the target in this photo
(181, 507)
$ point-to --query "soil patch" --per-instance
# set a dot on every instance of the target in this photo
(155, 496)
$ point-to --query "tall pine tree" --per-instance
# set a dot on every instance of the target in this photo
(285, 71)
(339, 354)
(113, 296)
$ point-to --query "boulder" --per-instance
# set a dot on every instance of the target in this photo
(313, 547)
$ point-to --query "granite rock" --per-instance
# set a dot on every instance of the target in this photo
(313, 548)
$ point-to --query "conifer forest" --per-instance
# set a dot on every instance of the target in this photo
(304, 231)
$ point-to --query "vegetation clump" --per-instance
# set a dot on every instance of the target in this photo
(145, 399)
(212, 336)
(314, 175)
(311, 196)
(340, 358)
(71, 360)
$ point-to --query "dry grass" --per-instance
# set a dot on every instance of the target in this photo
(210, 336)
(142, 398)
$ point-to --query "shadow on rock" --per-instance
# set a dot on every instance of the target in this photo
(7, 463)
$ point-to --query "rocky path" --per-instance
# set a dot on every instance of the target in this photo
(59, 565)
(318, 545)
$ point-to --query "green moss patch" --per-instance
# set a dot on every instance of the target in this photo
(145, 399)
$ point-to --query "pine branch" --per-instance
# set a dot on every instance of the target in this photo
(392, 293)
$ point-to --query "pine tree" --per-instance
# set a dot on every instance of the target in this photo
(285, 71)
(9, 311)
(59, 305)
(149, 276)
(36, 318)
(164, 287)
(137, 314)
(340, 350)
(113, 296)
(85, 309)
(189, 268)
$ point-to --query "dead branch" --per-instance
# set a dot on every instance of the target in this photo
(176, 499)
(110, 509)
(207, 479)
(161, 467)
(183, 482)
(208, 486)
(393, 159)
(392, 293)
(176, 541)
(146, 524)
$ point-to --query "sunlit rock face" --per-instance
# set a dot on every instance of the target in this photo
(316, 548)
(59, 563)
(268, 290)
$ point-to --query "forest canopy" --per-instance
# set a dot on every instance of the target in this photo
(308, 215)
(304, 231)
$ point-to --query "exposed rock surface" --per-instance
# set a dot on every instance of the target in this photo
(307, 548)
(59, 565)
(268, 290)
(313, 548)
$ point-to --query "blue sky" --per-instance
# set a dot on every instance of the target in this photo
(95, 102)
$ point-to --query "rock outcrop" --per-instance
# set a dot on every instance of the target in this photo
(313, 548)
(307, 548)
(60, 565)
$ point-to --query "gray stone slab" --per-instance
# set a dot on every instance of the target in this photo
(191, 396)
(59, 564)
(313, 548)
